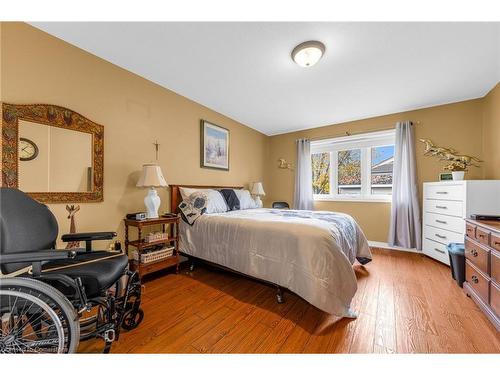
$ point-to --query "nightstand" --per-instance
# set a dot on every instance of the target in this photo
(170, 228)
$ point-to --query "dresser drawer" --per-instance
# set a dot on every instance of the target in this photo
(483, 236)
(436, 250)
(477, 254)
(495, 298)
(478, 281)
(495, 265)
(445, 192)
(442, 235)
(470, 230)
(452, 208)
(495, 241)
(455, 224)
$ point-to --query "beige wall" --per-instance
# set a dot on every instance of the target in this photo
(456, 125)
(491, 133)
(38, 68)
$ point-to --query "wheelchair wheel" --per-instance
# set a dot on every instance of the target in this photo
(132, 318)
(42, 320)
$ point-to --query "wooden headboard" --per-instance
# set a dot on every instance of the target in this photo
(176, 198)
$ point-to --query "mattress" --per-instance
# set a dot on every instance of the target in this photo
(308, 252)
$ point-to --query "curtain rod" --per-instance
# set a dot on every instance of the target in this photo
(348, 133)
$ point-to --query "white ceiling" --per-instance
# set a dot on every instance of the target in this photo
(244, 70)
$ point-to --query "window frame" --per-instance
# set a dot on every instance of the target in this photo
(364, 142)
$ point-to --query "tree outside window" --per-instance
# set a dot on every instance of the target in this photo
(349, 164)
(321, 173)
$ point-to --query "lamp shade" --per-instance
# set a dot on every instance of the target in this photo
(151, 176)
(257, 189)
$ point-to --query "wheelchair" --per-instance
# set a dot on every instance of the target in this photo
(50, 300)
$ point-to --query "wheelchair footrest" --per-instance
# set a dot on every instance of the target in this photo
(109, 335)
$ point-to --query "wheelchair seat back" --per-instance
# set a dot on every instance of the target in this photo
(25, 225)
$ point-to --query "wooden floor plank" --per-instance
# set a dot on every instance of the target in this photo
(179, 338)
(385, 326)
(274, 341)
(251, 342)
(206, 342)
(257, 320)
(319, 340)
(297, 340)
(364, 334)
(407, 303)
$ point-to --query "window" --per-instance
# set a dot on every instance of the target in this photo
(382, 160)
(321, 173)
(356, 167)
(349, 172)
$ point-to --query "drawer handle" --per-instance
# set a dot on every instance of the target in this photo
(497, 243)
(481, 235)
(474, 279)
(473, 253)
(439, 251)
(442, 207)
(441, 221)
(440, 236)
(441, 192)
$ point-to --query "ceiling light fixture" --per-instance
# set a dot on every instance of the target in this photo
(308, 53)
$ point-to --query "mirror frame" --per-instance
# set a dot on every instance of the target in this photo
(51, 115)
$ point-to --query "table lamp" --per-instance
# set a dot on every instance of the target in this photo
(152, 177)
(258, 190)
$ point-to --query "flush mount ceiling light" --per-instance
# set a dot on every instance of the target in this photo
(308, 53)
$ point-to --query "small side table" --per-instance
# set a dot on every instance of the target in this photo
(140, 244)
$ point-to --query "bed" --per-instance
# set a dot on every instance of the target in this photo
(310, 253)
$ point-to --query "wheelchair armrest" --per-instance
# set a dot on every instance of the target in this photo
(37, 256)
(90, 236)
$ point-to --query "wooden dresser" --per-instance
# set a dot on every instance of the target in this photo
(446, 204)
(482, 266)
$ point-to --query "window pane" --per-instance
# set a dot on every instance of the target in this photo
(381, 169)
(321, 173)
(349, 174)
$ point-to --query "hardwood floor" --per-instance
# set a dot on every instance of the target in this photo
(407, 303)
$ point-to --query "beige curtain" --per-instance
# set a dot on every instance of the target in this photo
(303, 197)
(405, 228)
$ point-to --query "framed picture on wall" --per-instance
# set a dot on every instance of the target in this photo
(214, 146)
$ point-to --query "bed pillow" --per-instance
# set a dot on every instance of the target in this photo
(215, 201)
(193, 207)
(232, 201)
(246, 200)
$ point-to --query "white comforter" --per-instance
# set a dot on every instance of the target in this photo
(308, 252)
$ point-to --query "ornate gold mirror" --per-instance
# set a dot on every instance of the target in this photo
(52, 153)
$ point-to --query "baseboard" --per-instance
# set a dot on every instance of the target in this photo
(385, 245)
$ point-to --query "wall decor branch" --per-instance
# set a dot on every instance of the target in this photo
(456, 162)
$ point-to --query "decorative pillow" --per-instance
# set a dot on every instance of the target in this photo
(215, 201)
(246, 200)
(193, 207)
(232, 201)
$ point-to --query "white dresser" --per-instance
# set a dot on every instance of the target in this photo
(446, 205)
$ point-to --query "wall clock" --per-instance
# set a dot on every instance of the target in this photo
(28, 150)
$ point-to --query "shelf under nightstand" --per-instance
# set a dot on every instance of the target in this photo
(141, 245)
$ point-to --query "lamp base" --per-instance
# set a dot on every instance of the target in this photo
(258, 201)
(152, 202)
